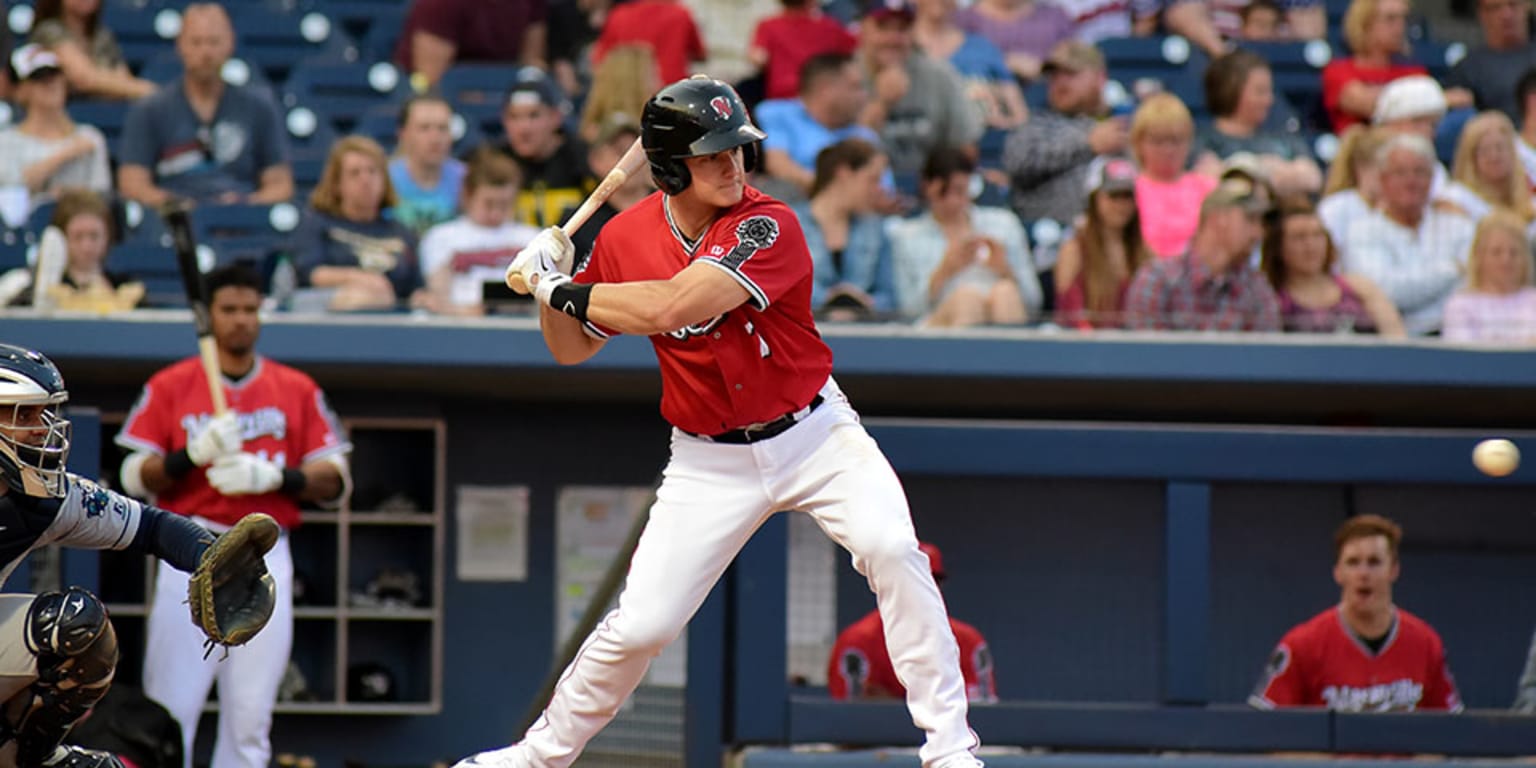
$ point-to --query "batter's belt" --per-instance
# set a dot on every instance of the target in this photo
(756, 433)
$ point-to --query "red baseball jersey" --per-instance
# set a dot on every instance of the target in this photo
(753, 364)
(283, 417)
(861, 665)
(1321, 663)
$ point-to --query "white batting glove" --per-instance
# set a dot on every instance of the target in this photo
(550, 252)
(243, 474)
(220, 436)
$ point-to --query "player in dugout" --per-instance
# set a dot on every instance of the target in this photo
(1364, 654)
(860, 666)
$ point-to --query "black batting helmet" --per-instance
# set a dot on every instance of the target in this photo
(693, 117)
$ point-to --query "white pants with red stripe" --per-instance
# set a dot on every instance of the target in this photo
(712, 498)
(177, 675)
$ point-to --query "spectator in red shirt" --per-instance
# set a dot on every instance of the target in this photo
(1364, 654)
(782, 44)
(665, 25)
(441, 33)
(860, 667)
(1376, 31)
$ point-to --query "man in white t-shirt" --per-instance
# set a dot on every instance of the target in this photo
(459, 257)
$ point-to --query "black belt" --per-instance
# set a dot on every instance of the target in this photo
(756, 433)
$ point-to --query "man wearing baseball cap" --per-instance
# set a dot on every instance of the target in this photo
(919, 104)
(1414, 105)
(1212, 286)
(860, 667)
(553, 163)
(1047, 158)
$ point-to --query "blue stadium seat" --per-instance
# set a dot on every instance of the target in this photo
(478, 90)
(13, 250)
(107, 116)
(143, 34)
(242, 221)
(309, 129)
(155, 266)
(346, 90)
(1137, 57)
(378, 43)
(306, 174)
(361, 17)
(275, 41)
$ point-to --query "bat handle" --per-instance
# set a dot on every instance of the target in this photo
(209, 351)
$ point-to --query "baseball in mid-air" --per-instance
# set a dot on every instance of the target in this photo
(1496, 458)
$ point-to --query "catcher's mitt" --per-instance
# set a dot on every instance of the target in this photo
(231, 593)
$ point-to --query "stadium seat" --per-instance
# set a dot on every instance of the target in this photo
(378, 43)
(274, 222)
(346, 90)
(107, 116)
(143, 34)
(155, 266)
(476, 91)
(360, 17)
(275, 41)
(309, 130)
(13, 250)
(307, 169)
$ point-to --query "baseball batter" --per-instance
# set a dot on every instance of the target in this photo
(58, 651)
(718, 276)
(278, 445)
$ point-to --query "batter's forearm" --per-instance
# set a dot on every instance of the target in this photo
(568, 342)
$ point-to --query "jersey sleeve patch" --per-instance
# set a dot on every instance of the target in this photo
(753, 234)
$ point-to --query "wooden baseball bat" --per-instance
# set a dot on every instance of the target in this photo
(178, 221)
(633, 159)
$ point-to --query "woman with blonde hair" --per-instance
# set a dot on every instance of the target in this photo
(1377, 33)
(1498, 303)
(1353, 183)
(346, 241)
(1299, 259)
(1168, 195)
(1096, 265)
(1486, 173)
(621, 84)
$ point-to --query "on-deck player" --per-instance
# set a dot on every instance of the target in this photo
(1364, 654)
(860, 665)
(718, 276)
(58, 650)
(278, 445)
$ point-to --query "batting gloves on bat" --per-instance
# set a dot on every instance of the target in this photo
(550, 252)
(242, 474)
(220, 436)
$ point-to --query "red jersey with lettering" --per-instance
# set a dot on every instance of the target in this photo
(283, 417)
(752, 364)
(1321, 663)
(861, 665)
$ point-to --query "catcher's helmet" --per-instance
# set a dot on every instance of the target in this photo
(693, 117)
(34, 435)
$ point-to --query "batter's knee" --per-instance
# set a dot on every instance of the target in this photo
(72, 638)
(643, 634)
(883, 551)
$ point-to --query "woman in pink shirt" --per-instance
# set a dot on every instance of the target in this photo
(1498, 304)
(1168, 197)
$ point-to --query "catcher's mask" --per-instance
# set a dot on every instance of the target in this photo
(34, 435)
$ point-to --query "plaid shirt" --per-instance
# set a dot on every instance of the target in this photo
(1183, 294)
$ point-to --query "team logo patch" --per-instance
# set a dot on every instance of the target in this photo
(93, 499)
(752, 234)
(722, 107)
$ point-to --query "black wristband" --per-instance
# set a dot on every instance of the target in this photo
(178, 464)
(572, 298)
(293, 481)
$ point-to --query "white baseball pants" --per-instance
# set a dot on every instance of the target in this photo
(712, 498)
(177, 675)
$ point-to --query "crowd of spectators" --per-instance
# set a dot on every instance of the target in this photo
(953, 163)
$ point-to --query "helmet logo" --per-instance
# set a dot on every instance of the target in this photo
(722, 106)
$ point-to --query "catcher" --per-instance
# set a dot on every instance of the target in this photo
(58, 650)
